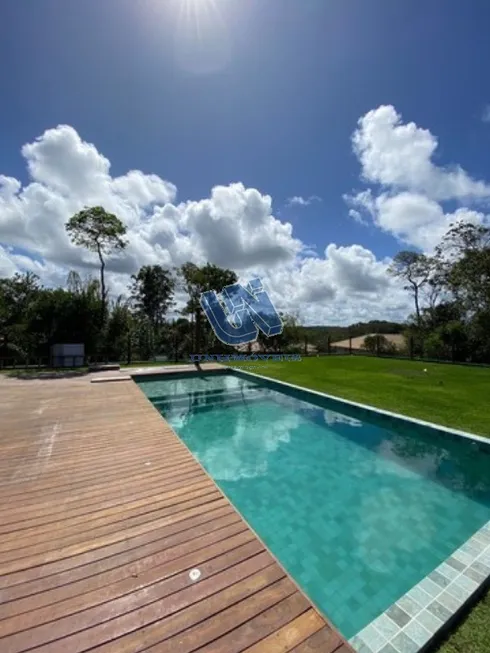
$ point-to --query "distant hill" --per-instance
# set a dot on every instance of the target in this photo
(338, 333)
(396, 339)
(315, 337)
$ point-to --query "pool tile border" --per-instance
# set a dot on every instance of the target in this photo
(412, 623)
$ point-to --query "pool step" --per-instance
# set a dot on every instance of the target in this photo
(176, 411)
(111, 379)
(184, 396)
(209, 398)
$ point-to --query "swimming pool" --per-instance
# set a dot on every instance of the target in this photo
(357, 507)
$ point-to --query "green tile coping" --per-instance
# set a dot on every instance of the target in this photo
(411, 623)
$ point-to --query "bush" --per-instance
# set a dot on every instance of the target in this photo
(379, 344)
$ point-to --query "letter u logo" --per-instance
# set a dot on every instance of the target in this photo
(238, 312)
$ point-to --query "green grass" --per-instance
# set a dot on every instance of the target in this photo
(473, 634)
(452, 395)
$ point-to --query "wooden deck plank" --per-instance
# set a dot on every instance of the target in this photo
(40, 514)
(68, 483)
(89, 611)
(103, 555)
(71, 524)
(261, 625)
(289, 636)
(104, 513)
(226, 621)
(130, 521)
(325, 639)
(63, 528)
(56, 480)
(90, 544)
(110, 570)
(124, 580)
(98, 491)
(185, 608)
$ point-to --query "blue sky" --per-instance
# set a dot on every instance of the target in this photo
(269, 95)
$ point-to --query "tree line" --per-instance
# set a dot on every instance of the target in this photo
(134, 326)
(450, 292)
(451, 295)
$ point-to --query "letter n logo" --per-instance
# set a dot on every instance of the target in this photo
(237, 313)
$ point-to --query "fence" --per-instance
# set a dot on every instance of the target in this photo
(42, 362)
(413, 349)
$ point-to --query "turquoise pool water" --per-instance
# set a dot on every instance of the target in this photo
(358, 509)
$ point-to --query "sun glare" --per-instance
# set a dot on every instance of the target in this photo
(200, 12)
(202, 43)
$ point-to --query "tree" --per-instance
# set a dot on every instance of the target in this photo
(100, 232)
(322, 344)
(152, 293)
(463, 237)
(440, 314)
(415, 269)
(378, 344)
(455, 321)
(74, 282)
(369, 344)
(16, 296)
(464, 262)
(288, 339)
(119, 330)
(197, 280)
(447, 342)
(175, 339)
(58, 315)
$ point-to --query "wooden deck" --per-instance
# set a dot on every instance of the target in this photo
(104, 513)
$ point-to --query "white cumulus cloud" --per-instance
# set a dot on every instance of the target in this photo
(408, 190)
(234, 227)
(298, 200)
(400, 155)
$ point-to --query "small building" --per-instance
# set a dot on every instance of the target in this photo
(68, 355)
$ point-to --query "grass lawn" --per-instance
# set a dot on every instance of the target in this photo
(456, 396)
(473, 634)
